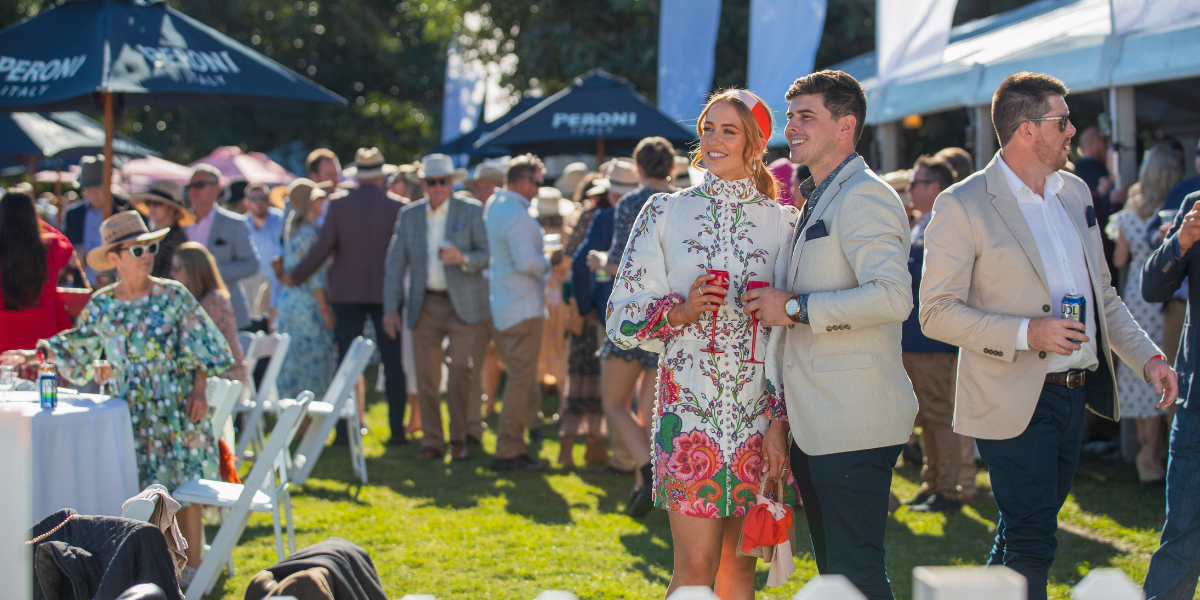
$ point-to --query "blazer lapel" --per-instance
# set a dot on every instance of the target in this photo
(1006, 204)
(823, 203)
(420, 237)
(1076, 208)
(214, 232)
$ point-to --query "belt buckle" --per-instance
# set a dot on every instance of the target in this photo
(1076, 379)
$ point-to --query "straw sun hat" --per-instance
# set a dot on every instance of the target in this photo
(169, 194)
(550, 203)
(126, 226)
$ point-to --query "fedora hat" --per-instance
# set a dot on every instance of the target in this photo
(570, 177)
(623, 177)
(438, 165)
(550, 203)
(125, 226)
(168, 193)
(488, 171)
(92, 171)
(368, 163)
(599, 186)
(305, 190)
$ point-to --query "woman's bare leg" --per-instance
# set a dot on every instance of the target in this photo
(735, 577)
(697, 542)
(618, 378)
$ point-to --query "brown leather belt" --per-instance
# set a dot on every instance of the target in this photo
(438, 292)
(1068, 379)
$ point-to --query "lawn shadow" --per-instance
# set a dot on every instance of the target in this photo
(1113, 489)
(652, 549)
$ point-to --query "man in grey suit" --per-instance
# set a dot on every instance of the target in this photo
(225, 235)
(441, 242)
(834, 355)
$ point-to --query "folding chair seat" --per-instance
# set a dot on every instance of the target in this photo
(338, 403)
(275, 346)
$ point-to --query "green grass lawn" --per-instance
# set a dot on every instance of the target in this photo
(461, 530)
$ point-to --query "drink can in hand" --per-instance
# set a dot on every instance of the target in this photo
(1074, 306)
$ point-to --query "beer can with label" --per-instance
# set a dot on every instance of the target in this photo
(48, 386)
(1074, 306)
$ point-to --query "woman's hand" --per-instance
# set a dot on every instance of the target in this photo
(700, 299)
(197, 405)
(17, 358)
(776, 458)
(328, 318)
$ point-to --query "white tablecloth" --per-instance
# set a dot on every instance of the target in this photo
(83, 454)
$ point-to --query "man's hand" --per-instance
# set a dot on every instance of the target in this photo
(769, 304)
(451, 255)
(776, 458)
(1164, 380)
(596, 260)
(1055, 335)
(701, 298)
(391, 323)
(1189, 232)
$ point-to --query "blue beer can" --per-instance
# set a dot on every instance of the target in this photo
(1074, 306)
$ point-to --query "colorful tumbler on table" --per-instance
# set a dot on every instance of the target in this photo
(1074, 306)
(721, 280)
(754, 285)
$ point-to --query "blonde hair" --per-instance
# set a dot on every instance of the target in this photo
(763, 180)
(1160, 171)
(202, 274)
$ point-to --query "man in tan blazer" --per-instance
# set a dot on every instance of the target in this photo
(1003, 248)
(834, 355)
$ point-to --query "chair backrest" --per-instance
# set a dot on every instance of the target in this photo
(214, 392)
(274, 345)
(223, 405)
(343, 382)
(274, 451)
(245, 339)
(140, 509)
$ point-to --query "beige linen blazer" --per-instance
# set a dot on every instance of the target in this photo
(983, 275)
(841, 375)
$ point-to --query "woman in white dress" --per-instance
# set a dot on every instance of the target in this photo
(714, 418)
(1135, 231)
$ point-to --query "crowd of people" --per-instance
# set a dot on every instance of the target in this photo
(723, 321)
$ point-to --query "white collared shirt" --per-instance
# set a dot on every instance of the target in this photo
(201, 230)
(1063, 262)
(435, 235)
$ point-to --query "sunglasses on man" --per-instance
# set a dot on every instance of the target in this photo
(1062, 122)
(437, 181)
(196, 185)
(141, 250)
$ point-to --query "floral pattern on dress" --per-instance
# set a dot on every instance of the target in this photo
(311, 359)
(712, 410)
(1138, 400)
(154, 344)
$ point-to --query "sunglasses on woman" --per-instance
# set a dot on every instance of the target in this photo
(141, 250)
(1062, 122)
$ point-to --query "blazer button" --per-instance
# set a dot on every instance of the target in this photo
(1045, 308)
(1042, 354)
(829, 328)
(999, 353)
(846, 326)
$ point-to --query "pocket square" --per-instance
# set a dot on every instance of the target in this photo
(459, 226)
(816, 231)
(1091, 216)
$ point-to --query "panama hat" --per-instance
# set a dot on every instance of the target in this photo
(488, 171)
(125, 226)
(168, 193)
(438, 165)
(550, 203)
(368, 163)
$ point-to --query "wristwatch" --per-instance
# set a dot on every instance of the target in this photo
(793, 307)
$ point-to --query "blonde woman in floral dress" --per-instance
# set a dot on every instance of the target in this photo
(714, 419)
(162, 346)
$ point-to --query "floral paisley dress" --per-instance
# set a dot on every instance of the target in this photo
(713, 409)
(311, 358)
(154, 345)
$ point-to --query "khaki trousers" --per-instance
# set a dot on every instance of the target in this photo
(437, 322)
(932, 376)
(522, 344)
(483, 337)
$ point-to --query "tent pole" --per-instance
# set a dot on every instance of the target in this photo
(599, 151)
(109, 125)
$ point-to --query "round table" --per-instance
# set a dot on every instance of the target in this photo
(83, 455)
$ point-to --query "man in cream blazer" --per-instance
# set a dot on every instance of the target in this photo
(1002, 249)
(834, 354)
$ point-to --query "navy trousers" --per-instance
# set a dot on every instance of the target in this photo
(350, 319)
(1031, 475)
(846, 504)
(1175, 566)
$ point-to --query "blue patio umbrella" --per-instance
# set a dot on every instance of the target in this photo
(465, 143)
(87, 52)
(58, 139)
(597, 112)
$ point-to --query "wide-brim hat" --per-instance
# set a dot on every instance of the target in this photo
(550, 203)
(439, 165)
(488, 172)
(304, 189)
(170, 194)
(126, 226)
(368, 163)
(623, 177)
(599, 186)
(351, 172)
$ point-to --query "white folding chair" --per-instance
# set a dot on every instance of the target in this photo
(275, 346)
(264, 490)
(223, 405)
(337, 403)
(140, 509)
(245, 338)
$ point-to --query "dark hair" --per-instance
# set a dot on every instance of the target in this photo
(839, 91)
(939, 168)
(960, 161)
(656, 157)
(22, 253)
(526, 166)
(1022, 96)
(313, 162)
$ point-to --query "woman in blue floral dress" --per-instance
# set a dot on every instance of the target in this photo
(714, 417)
(303, 311)
(162, 346)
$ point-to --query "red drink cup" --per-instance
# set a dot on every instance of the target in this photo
(754, 285)
(721, 280)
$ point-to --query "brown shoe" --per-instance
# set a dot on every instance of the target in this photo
(458, 451)
(429, 454)
(597, 453)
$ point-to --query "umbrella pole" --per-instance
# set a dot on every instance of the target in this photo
(109, 125)
(58, 203)
(32, 169)
(599, 151)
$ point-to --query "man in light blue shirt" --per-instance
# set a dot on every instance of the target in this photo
(519, 269)
(266, 230)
